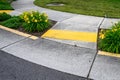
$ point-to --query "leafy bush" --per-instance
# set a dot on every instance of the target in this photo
(35, 21)
(4, 16)
(110, 41)
(5, 5)
(14, 22)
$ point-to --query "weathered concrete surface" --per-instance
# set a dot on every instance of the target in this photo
(7, 38)
(66, 58)
(66, 21)
(22, 4)
(15, 13)
(90, 45)
(106, 68)
(108, 22)
(80, 23)
(14, 68)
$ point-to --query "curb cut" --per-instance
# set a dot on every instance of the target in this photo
(70, 35)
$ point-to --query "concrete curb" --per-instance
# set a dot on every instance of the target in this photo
(18, 32)
(109, 54)
(7, 11)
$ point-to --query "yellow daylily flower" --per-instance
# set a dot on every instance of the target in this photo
(102, 36)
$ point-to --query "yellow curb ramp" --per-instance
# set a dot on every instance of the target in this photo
(18, 32)
(109, 54)
(7, 11)
(71, 35)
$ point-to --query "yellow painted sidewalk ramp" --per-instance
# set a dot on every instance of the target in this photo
(71, 35)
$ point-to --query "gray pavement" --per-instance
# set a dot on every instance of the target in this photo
(108, 22)
(80, 23)
(22, 4)
(27, 5)
(106, 68)
(60, 55)
(89, 45)
(7, 38)
(57, 56)
(66, 58)
(14, 68)
(67, 21)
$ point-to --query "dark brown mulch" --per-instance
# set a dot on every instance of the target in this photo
(38, 34)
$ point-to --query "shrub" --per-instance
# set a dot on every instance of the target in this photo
(5, 5)
(110, 41)
(35, 21)
(4, 16)
(14, 22)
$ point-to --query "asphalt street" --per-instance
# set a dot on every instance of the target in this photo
(14, 68)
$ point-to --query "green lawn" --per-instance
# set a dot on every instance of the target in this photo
(4, 5)
(110, 8)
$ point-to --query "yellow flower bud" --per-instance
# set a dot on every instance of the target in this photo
(45, 14)
(28, 22)
(31, 15)
(46, 20)
(25, 16)
(35, 20)
(102, 36)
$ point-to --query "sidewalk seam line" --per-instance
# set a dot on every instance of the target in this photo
(96, 48)
(14, 42)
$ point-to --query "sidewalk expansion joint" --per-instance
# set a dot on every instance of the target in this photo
(14, 42)
(96, 48)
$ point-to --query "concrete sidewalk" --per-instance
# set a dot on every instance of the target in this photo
(68, 22)
(78, 57)
(14, 68)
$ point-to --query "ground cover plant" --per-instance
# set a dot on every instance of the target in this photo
(4, 16)
(14, 22)
(32, 22)
(110, 8)
(109, 40)
(5, 5)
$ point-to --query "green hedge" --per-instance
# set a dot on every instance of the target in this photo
(5, 5)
